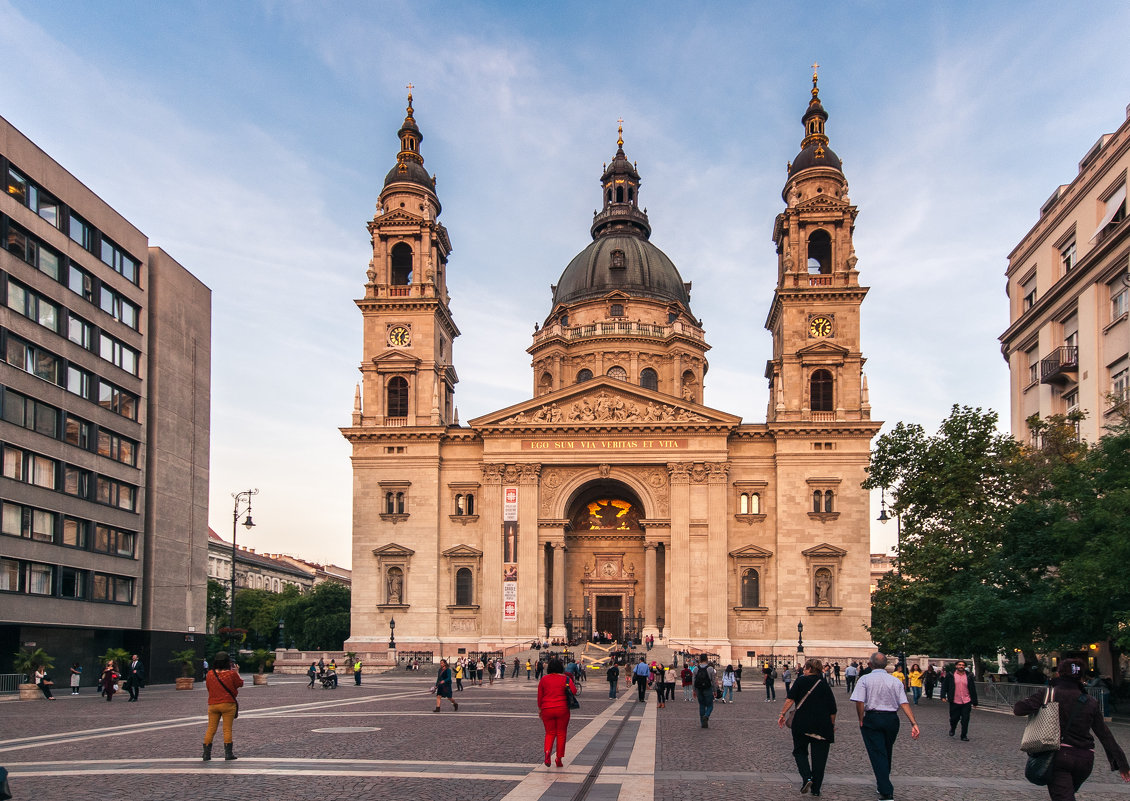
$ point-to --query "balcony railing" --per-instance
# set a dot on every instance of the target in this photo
(1060, 365)
(619, 328)
(396, 421)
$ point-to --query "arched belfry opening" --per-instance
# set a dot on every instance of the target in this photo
(608, 566)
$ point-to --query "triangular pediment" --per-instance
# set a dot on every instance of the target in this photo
(604, 402)
(392, 549)
(820, 201)
(616, 294)
(463, 552)
(824, 549)
(824, 347)
(751, 552)
(396, 360)
(399, 216)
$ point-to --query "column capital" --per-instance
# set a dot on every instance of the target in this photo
(719, 472)
(529, 473)
(650, 545)
(558, 546)
(492, 473)
(680, 472)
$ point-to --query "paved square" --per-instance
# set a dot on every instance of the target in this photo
(383, 740)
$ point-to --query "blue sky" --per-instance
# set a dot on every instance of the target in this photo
(250, 141)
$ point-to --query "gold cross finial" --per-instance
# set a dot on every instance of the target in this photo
(620, 131)
(409, 87)
(815, 89)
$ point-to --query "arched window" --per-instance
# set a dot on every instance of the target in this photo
(749, 503)
(631, 194)
(821, 391)
(751, 588)
(609, 195)
(820, 252)
(397, 397)
(460, 509)
(828, 501)
(469, 499)
(817, 501)
(619, 373)
(401, 264)
(390, 503)
(619, 194)
(584, 375)
(743, 504)
(400, 503)
(546, 383)
(463, 586)
(649, 379)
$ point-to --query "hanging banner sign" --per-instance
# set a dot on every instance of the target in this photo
(510, 504)
(510, 600)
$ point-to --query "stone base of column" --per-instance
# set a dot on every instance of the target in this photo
(556, 631)
(651, 631)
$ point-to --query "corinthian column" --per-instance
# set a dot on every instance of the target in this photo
(650, 579)
(558, 627)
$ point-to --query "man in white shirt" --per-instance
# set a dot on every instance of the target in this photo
(850, 675)
(878, 697)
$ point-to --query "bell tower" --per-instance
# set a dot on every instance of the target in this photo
(407, 373)
(816, 373)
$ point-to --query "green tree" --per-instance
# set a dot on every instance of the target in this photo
(217, 609)
(319, 619)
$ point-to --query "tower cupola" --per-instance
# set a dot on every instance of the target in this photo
(814, 150)
(409, 163)
(620, 186)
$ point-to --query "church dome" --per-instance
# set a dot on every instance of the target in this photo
(412, 172)
(815, 155)
(620, 256)
(625, 262)
(814, 150)
(409, 166)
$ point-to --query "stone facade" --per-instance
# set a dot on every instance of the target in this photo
(614, 500)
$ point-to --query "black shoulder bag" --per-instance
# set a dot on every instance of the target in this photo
(233, 697)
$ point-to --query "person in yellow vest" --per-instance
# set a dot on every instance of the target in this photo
(357, 672)
(529, 669)
(916, 675)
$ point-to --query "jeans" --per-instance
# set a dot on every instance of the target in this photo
(770, 691)
(612, 689)
(728, 694)
(916, 692)
(849, 683)
(879, 731)
(815, 772)
(705, 702)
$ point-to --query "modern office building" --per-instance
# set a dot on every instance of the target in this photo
(105, 388)
(1068, 338)
(615, 500)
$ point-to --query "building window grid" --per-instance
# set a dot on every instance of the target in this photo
(33, 306)
(1119, 303)
(1120, 387)
(30, 249)
(1067, 256)
(34, 197)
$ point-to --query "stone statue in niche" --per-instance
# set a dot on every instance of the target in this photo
(823, 587)
(590, 566)
(395, 585)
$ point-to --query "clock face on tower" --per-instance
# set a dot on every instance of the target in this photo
(820, 326)
(400, 336)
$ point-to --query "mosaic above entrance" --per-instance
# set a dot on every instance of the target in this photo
(605, 407)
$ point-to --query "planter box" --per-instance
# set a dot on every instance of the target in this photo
(185, 682)
(259, 680)
(29, 692)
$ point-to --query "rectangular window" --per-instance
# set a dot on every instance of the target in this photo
(42, 525)
(40, 579)
(115, 493)
(116, 447)
(12, 521)
(79, 332)
(41, 471)
(117, 400)
(17, 185)
(1067, 256)
(14, 408)
(29, 248)
(1028, 293)
(113, 256)
(72, 583)
(30, 195)
(80, 231)
(74, 532)
(119, 308)
(32, 306)
(81, 283)
(117, 353)
(78, 432)
(117, 589)
(32, 359)
(113, 541)
(1114, 211)
(1119, 302)
(1071, 400)
(9, 575)
(76, 481)
(13, 463)
(1120, 385)
(80, 382)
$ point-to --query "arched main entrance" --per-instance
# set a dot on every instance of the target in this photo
(605, 575)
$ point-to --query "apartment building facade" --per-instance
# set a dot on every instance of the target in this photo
(1068, 283)
(104, 436)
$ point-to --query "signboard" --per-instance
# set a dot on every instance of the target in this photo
(632, 444)
(510, 600)
(510, 504)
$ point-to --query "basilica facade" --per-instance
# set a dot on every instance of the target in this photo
(614, 500)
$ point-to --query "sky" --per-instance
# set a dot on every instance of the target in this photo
(250, 141)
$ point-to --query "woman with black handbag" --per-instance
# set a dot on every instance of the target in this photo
(554, 692)
(1079, 715)
(813, 723)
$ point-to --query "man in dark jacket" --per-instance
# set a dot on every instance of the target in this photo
(135, 677)
(961, 691)
(613, 677)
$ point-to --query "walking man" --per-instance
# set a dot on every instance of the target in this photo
(639, 676)
(135, 677)
(850, 675)
(613, 677)
(705, 683)
(770, 675)
(961, 691)
(878, 697)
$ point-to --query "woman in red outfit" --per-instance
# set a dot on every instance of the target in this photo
(553, 707)
(223, 683)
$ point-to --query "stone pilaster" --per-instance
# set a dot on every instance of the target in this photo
(491, 514)
(558, 627)
(718, 551)
(650, 578)
(679, 622)
(528, 552)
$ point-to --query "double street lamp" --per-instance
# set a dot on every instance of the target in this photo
(241, 498)
(800, 637)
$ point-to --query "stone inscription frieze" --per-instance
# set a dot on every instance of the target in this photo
(605, 407)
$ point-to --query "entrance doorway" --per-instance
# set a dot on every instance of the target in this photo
(610, 616)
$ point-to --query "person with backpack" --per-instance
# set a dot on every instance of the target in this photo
(705, 684)
(770, 674)
(613, 676)
(687, 677)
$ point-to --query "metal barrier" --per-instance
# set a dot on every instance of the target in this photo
(1006, 694)
(10, 683)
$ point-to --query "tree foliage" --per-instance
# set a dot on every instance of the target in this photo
(1003, 546)
(319, 619)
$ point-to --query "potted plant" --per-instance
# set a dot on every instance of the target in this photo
(187, 661)
(25, 662)
(264, 659)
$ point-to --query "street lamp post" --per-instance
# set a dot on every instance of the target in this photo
(240, 499)
(883, 518)
(392, 638)
(800, 642)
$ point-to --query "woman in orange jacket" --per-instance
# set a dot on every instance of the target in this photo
(223, 686)
(553, 707)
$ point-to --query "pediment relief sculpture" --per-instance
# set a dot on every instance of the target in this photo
(605, 407)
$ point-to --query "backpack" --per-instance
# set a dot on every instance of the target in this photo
(773, 674)
(702, 679)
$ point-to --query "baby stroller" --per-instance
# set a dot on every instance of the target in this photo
(328, 679)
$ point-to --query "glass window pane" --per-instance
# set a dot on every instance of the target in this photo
(128, 406)
(17, 186)
(13, 520)
(9, 575)
(100, 587)
(48, 262)
(42, 525)
(14, 408)
(123, 590)
(102, 539)
(48, 315)
(17, 298)
(126, 452)
(74, 533)
(43, 471)
(13, 463)
(46, 366)
(46, 420)
(16, 353)
(39, 579)
(125, 543)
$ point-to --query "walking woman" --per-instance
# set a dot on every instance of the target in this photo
(459, 676)
(76, 677)
(916, 676)
(223, 683)
(814, 724)
(108, 681)
(554, 708)
(1079, 715)
(728, 685)
(657, 684)
(443, 686)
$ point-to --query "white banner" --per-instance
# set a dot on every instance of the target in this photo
(510, 505)
(510, 600)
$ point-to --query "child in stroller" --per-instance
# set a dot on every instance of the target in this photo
(329, 679)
